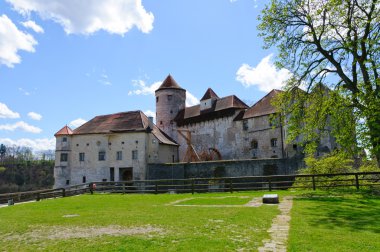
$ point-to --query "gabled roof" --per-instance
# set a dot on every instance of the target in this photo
(132, 121)
(169, 82)
(222, 107)
(209, 94)
(263, 106)
(64, 131)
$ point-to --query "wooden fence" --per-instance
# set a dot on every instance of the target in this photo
(199, 185)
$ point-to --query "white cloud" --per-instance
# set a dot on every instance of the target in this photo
(5, 112)
(191, 100)
(104, 80)
(13, 40)
(32, 25)
(25, 92)
(35, 116)
(21, 125)
(143, 89)
(87, 17)
(150, 113)
(77, 122)
(36, 144)
(264, 75)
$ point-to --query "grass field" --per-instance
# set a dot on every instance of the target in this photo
(180, 222)
(335, 222)
(134, 223)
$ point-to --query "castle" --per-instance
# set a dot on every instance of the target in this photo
(119, 147)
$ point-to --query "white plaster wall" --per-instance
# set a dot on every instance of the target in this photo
(148, 147)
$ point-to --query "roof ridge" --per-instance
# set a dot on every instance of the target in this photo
(169, 82)
(209, 94)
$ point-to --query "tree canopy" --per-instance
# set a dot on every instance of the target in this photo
(334, 43)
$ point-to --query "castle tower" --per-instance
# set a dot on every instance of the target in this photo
(170, 99)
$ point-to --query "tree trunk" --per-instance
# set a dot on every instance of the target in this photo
(374, 132)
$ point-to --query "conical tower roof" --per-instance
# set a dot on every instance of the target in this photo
(169, 82)
(64, 131)
(209, 94)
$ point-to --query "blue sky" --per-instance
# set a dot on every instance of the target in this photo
(66, 61)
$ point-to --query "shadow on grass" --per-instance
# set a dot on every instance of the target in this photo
(355, 212)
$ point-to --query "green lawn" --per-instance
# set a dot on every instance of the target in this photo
(140, 222)
(335, 222)
(320, 221)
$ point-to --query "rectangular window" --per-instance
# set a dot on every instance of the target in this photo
(134, 155)
(67, 182)
(84, 179)
(102, 156)
(245, 125)
(63, 157)
(273, 142)
(170, 97)
(119, 155)
(254, 144)
(64, 139)
(81, 156)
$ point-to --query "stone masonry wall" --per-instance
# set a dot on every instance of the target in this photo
(230, 168)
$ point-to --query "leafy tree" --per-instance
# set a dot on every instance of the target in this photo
(3, 150)
(335, 43)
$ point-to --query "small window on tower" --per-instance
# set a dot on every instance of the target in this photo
(64, 157)
(161, 122)
(157, 99)
(170, 97)
(64, 139)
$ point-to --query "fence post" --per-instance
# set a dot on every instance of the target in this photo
(270, 183)
(231, 187)
(38, 197)
(192, 186)
(357, 181)
(313, 178)
(156, 189)
(63, 192)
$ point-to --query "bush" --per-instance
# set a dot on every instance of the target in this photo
(329, 164)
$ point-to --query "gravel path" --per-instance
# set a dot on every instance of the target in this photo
(279, 230)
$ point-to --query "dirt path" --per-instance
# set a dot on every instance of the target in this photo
(279, 230)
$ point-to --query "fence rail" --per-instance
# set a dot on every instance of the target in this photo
(198, 185)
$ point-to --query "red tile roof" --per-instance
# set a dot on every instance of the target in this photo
(209, 94)
(64, 131)
(263, 106)
(169, 82)
(222, 107)
(132, 121)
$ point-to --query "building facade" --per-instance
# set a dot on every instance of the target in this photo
(113, 147)
(120, 146)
